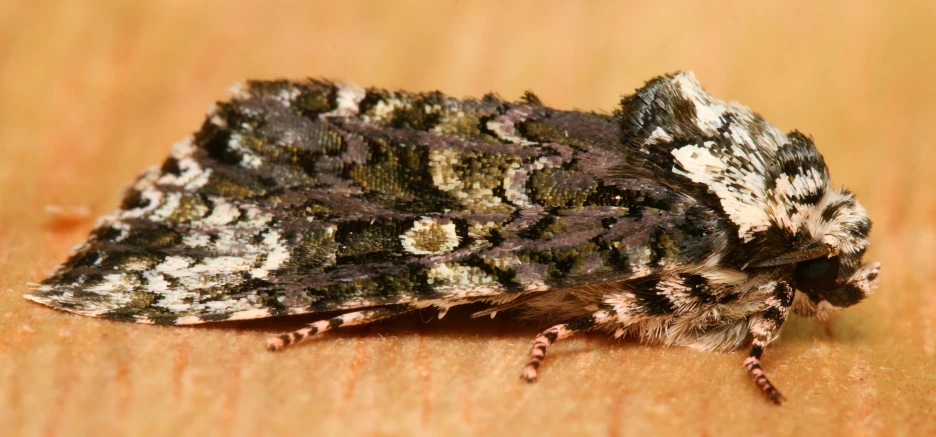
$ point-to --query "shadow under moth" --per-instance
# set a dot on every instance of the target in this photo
(677, 219)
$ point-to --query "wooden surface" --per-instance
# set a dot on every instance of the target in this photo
(93, 92)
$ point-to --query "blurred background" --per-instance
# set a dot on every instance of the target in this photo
(92, 92)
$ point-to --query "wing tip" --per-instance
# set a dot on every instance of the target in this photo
(44, 297)
(56, 300)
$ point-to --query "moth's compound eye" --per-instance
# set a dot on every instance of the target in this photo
(817, 275)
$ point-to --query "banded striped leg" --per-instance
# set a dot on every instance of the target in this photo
(765, 330)
(560, 332)
(279, 342)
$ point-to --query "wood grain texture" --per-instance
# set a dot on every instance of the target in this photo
(93, 92)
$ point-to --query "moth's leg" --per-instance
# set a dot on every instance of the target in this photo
(348, 319)
(765, 329)
(559, 332)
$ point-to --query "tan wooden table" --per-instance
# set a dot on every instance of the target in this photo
(93, 92)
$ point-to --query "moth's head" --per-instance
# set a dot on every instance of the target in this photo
(840, 279)
(828, 283)
(828, 269)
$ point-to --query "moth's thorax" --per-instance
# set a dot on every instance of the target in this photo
(772, 189)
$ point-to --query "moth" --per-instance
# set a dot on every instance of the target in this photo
(677, 219)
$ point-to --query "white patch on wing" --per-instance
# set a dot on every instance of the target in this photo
(172, 264)
(222, 214)
(171, 202)
(475, 196)
(256, 218)
(239, 91)
(385, 108)
(155, 282)
(515, 183)
(287, 95)
(221, 265)
(440, 163)
(122, 227)
(349, 99)
(639, 257)
(518, 176)
(249, 159)
(179, 280)
(183, 148)
(430, 236)
(456, 281)
(214, 117)
(505, 126)
(116, 286)
(149, 195)
(277, 254)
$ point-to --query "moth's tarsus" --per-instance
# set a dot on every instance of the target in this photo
(275, 344)
(353, 318)
(678, 219)
(760, 379)
(556, 333)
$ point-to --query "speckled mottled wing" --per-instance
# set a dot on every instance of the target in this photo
(298, 197)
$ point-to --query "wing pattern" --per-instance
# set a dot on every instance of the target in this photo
(315, 196)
